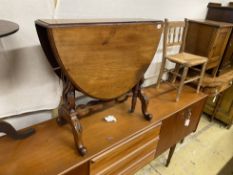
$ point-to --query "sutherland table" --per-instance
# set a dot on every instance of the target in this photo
(114, 148)
(102, 58)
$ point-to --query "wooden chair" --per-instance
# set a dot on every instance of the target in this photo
(175, 35)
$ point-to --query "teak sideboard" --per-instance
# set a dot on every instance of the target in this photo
(114, 148)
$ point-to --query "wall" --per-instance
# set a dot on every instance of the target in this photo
(33, 84)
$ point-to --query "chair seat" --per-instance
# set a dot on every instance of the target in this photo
(187, 59)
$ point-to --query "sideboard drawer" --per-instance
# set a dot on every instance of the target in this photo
(124, 156)
(142, 161)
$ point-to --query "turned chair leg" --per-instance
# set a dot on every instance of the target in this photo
(184, 75)
(161, 72)
(201, 77)
(176, 71)
(171, 152)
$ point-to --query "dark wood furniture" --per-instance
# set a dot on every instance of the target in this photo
(104, 59)
(208, 38)
(221, 107)
(113, 148)
(7, 28)
(217, 12)
(175, 35)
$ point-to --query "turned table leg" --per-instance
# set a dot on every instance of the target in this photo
(134, 97)
(144, 105)
(137, 93)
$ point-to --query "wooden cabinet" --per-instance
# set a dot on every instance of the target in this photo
(178, 126)
(216, 12)
(222, 107)
(208, 38)
(113, 148)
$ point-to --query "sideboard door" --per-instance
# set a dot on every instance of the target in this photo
(176, 127)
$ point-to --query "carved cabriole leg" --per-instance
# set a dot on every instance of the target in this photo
(184, 75)
(144, 102)
(137, 92)
(61, 119)
(176, 71)
(67, 113)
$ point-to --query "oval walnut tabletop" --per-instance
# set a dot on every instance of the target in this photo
(8, 28)
(104, 59)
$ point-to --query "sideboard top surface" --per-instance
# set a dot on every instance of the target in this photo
(51, 149)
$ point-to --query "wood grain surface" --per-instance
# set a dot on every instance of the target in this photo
(51, 149)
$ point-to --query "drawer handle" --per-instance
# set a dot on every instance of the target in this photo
(187, 118)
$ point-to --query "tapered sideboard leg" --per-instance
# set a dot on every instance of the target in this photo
(171, 152)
